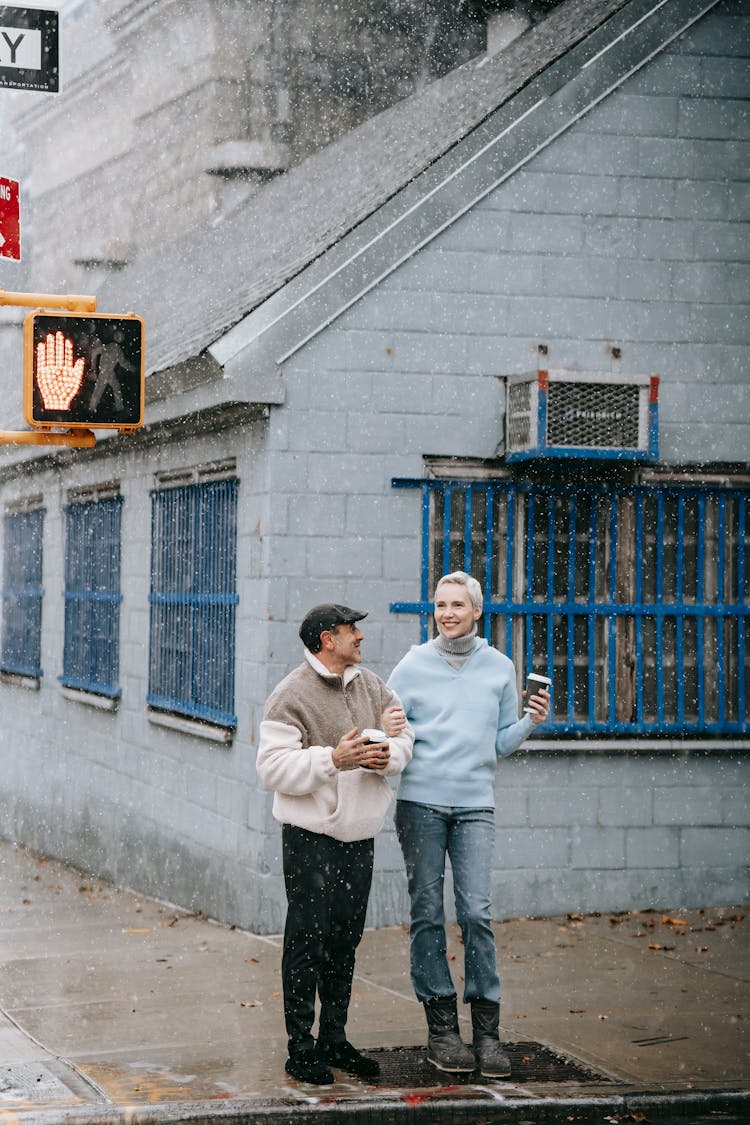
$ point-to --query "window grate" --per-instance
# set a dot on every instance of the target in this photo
(632, 598)
(193, 601)
(91, 651)
(22, 592)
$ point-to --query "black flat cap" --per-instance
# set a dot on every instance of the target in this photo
(322, 617)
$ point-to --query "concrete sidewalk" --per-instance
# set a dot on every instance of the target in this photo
(117, 1008)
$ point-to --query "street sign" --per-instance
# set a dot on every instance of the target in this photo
(29, 52)
(10, 219)
(83, 370)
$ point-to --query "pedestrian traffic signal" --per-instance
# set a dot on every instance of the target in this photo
(83, 371)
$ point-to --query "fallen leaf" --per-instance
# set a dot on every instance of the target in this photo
(251, 961)
(251, 1003)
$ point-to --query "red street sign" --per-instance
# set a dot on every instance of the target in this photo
(10, 219)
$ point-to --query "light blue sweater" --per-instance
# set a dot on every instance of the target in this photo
(463, 721)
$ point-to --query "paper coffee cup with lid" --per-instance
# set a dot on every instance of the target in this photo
(535, 682)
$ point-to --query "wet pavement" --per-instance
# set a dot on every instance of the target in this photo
(118, 1008)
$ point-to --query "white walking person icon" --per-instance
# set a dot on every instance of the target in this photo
(105, 360)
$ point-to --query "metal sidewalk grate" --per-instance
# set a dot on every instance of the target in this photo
(403, 1067)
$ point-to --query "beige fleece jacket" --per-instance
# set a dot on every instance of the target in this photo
(304, 718)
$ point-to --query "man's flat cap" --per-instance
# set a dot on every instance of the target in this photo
(322, 617)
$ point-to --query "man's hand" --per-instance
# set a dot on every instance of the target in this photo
(393, 721)
(354, 750)
(377, 756)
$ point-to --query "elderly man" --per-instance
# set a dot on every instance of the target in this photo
(331, 796)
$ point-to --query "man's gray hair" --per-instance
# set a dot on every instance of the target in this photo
(461, 578)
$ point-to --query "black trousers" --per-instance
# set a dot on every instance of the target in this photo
(327, 888)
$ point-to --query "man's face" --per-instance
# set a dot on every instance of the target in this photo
(345, 648)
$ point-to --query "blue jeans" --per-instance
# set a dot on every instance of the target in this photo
(427, 834)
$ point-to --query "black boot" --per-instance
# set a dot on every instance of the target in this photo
(492, 1060)
(305, 1066)
(444, 1047)
(348, 1058)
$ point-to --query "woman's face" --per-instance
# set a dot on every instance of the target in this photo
(455, 612)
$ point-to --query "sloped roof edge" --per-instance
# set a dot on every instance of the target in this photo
(192, 290)
(280, 267)
(493, 151)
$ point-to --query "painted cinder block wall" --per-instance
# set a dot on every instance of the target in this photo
(623, 232)
(626, 232)
(148, 807)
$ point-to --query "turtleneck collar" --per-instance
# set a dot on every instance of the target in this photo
(456, 650)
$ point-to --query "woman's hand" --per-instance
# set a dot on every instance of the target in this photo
(393, 720)
(539, 705)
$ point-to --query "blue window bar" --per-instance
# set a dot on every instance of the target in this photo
(632, 598)
(22, 593)
(91, 650)
(193, 601)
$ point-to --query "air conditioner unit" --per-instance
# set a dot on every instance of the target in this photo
(577, 414)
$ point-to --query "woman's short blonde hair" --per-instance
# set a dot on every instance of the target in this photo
(461, 578)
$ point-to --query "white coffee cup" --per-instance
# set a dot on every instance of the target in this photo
(374, 736)
(534, 684)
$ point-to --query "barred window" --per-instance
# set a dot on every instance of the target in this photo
(91, 651)
(193, 601)
(633, 598)
(22, 592)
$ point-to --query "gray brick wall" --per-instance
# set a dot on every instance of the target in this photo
(629, 230)
(280, 79)
(624, 231)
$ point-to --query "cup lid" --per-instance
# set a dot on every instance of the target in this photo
(375, 735)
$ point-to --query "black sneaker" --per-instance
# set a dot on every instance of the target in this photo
(305, 1066)
(348, 1058)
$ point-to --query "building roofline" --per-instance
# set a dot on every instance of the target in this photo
(522, 126)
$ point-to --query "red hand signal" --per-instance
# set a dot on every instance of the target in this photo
(58, 377)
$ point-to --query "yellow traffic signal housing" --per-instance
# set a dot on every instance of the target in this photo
(83, 371)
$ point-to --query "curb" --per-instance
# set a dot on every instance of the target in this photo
(731, 1107)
